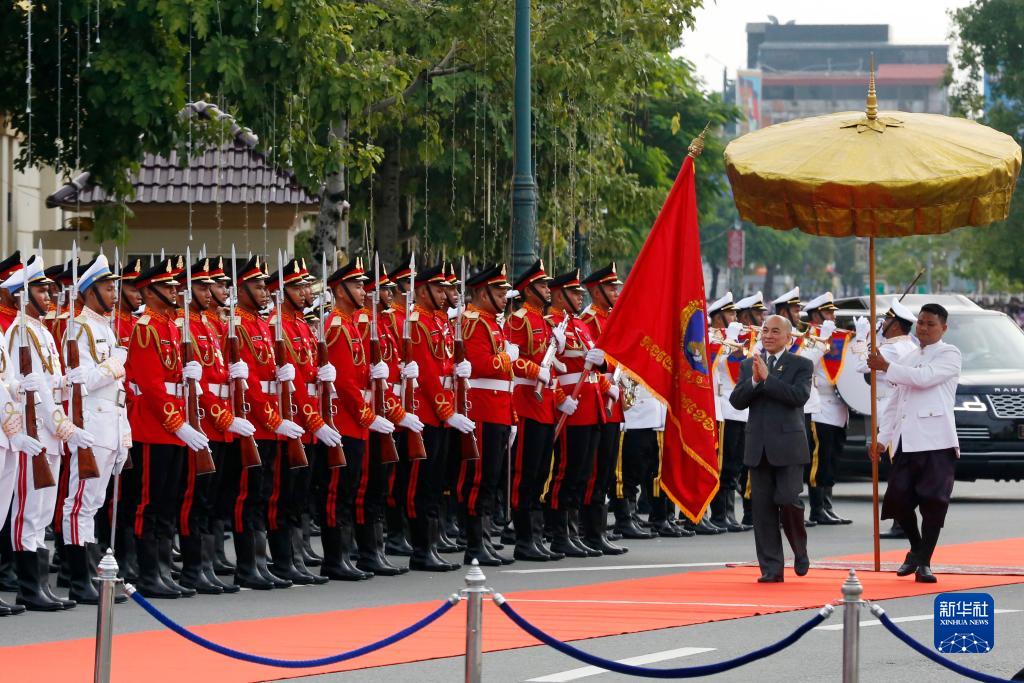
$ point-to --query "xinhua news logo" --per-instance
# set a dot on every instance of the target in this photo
(965, 623)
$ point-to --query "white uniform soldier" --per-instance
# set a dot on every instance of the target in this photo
(828, 424)
(33, 508)
(101, 372)
(750, 312)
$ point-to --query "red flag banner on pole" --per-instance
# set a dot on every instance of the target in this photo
(657, 333)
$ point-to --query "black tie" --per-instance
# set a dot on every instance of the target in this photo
(771, 363)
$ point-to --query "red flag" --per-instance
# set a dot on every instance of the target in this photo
(657, 332)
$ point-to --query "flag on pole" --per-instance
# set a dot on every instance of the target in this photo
(657, 333)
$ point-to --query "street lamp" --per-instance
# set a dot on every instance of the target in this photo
(524, 188)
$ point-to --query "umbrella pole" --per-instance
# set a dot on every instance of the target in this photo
(874, 408)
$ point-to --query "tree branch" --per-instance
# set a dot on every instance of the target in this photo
(442, 68)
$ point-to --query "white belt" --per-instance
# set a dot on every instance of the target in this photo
(492, 384)
(574, 354)
(397, 388)
(610, 376)
(219, 390)
(171, 388)
(367, 394)
(269, 386)
(571, 378)
(447, 383)
(522, 381)
(311, 388)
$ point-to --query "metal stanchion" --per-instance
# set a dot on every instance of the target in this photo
(474, 592)
(852, 591)
(107, 578)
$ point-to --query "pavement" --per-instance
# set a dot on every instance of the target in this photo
(980, 511)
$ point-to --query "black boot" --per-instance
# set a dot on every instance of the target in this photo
(336, 563)
(382, 558)
(830, 511)
(149, 583)
(165, 549)
(793, 525)
(434, 530)
(895, 531)
(492, 550)
(260, 552)
(192, 574)
(444, 543)
(540, 531)
(125, 554)
(82, 589)
(929, 539)
(660, 523)
(730, 514)
(524, 547)
(30, 592)
(247, 575)
(296, 535)
(717, 508)
(8, 577)
(561, 543)
(424, 556)
(282, 563)
(7, 609)
(63, 564)
(576, 537)
(397, 542)
(221, 565)
(309, 556)
(475, 548)
(595, 523)
(43, 555)
(369, 558)
(819, 515)
(625, 524)
(209, 551)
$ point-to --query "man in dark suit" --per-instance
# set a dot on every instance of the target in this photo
(774, 385)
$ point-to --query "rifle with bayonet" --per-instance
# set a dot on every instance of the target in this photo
(335, 454)
(549, 358)
(114, 326)
(294, 450)
(239, 406)
(42, 475)
(87, 467)
(469, 448)
(415, 447)
(378, 387)
(202, 458)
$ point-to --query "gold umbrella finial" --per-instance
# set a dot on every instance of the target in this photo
(697, 144)
(872, 108)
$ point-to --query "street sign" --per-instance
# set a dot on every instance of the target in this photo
(736, 249)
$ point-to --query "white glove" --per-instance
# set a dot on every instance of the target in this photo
(328, 436)
(289, 429)
(285, 373)
(242, 427)
(192, 370)
(412, 423)
(453, 313)
(33, 382)
(75, 375)
(512, 350)
(732, 333)
(239, 370)
(569, 405)
(461, 422)
(464, 369)
(510, 295)
(559, 336)
(410, 370)
(613, 392)
(326, 373)
(595, 356)
(544, 375)
(382, 425)
(828, 328)
(23, 443)
(380, 371)
(194, 439)
(126, 442)
(512, 436)
(862, 327)
(120, 354)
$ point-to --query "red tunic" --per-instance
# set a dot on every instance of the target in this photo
(348, 356)
(433, 354)
(213, 319)
(595, 320)
(153, 367)
(577, 343)
(124, 323)
(389, 354)
(256, 342)
(484, 342)
(300, 351)
(214, 400)
(530, 331)
(7, 316)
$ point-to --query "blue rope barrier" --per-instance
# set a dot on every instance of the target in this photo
(292, 663)
(934, 656)
(684, 672)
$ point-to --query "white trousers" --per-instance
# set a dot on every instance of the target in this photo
(8, 476)
(33, 508)
(85, 498)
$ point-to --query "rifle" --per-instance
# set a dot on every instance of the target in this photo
(388, 451)
(42, 475)
(87, 467)
(294, 450)
(117, 337)
(237, 387)
(203, 458)
(549, 357)
(587, 369)
(609, 404)
(335, 454)
(416, 449)
(470, 449)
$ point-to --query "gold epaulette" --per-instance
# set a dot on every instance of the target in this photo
(362, 319)
(143, 320)
(64, 316)
(471, 315)
(414, 316)
(335, 322)
(520, 313)
(272, 320)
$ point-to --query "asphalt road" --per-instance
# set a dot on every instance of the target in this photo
(981, 511)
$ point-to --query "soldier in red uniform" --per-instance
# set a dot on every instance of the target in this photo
(393, 308)
(432, 351)
(529, 329)
(577, 443)
(490, 401)
(603, 286)
(156, 414)
(255, 484)
(291, 487)
(131, 300)
(449, 531)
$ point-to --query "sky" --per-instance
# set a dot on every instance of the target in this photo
(720, 35)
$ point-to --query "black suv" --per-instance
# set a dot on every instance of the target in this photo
(990, 397)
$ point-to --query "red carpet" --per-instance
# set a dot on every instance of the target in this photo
(574, 613)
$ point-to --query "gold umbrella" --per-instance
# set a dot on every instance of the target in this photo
(877, 174)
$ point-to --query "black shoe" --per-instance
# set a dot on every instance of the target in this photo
(30, 593)
(246, 573)
(924, 575)
(9, 610)
(831, 511)
(221, 565)
(625, 523)
(476, 550)
(527, 552)
(706, 528)
(801, 565)
(82, 589)
(397, 542)
(771, 578)
(822, 517)
(208, 550)
(43, 556)
(492, 550)
(895, 531)
(808, 523)
(908, 567)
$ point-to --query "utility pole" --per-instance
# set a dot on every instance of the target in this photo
(524, 187)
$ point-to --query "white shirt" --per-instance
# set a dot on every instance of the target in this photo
(920, 416)
(646, 412)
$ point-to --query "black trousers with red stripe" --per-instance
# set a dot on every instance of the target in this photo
(479, 480)
(288, 489)
(157, 497)
(337, 494)
(398, 474)
(248, 487)
(374, 485)
(574, 459)
(531, 463)
(426, 477)
(602, 473)
(200, 495)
